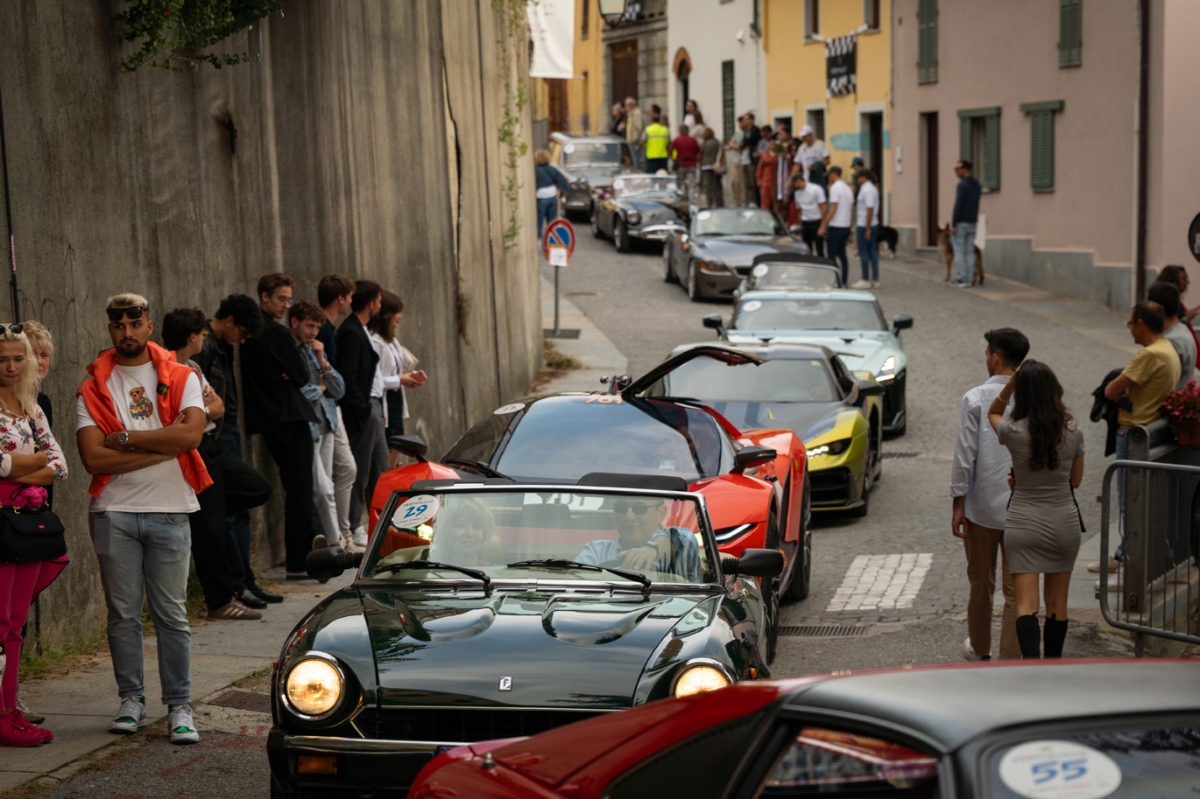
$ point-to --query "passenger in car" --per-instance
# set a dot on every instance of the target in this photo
(645, 542)
(465, 535)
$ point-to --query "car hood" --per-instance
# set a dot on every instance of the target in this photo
(807, 419)
(739, 251)
(598, 176)
(561, 650)
(859, 350)
(655, 210)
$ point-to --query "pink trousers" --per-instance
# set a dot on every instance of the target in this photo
(20, 583)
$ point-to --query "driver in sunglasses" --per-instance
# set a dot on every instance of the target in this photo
(645, 542)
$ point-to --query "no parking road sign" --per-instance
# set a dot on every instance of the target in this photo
(559, 233)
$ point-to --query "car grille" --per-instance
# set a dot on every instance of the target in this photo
(830, 486)
(462, 725)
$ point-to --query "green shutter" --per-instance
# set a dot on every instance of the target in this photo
(964, 139)
(927, 42)
(992, 152)
(1041, 160)
(1070, 33)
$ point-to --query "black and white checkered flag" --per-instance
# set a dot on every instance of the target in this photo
(840, 65)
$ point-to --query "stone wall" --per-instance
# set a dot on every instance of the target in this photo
(366, 141)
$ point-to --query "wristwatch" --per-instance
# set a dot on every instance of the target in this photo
(123, 438)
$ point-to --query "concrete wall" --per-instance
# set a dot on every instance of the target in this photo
(366, 143)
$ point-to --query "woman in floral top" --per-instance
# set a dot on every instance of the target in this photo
(30, 458)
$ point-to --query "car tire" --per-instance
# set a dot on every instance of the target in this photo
(771, 592)
(596, 223)
(621, 236)
(901, 404)
(668, 275)
(802, 572)
(693, 288)
(875, 431)
(862, 509)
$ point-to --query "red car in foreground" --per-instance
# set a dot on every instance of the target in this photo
(1071, 729)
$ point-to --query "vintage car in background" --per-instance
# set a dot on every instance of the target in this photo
(806, 388)
(589, 164)
(1034, 730)
(790, 271)
(485, 611)
(636, 203)
(850, 323)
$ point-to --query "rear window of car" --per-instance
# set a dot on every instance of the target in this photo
(831, 762)
(807, 313)
(777, 380)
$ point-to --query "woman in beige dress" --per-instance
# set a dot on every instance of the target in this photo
(1042, 528)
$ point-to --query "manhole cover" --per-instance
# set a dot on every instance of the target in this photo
(244, 700)
(825, 630)
(901, 455)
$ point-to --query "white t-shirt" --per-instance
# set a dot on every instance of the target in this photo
(843, 195)
(156, 489)
(809, 200)
(868, 197)
(809, 154)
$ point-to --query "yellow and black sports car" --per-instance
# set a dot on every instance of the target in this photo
(807, 389)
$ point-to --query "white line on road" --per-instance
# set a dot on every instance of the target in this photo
(881, 582)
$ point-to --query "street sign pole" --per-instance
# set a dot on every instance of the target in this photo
(558, 242)
(559, 258)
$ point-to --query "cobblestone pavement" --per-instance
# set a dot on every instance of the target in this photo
(625, 296)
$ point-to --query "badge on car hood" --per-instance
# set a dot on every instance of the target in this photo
(506, 683)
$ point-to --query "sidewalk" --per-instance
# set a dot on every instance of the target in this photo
(78, 705)
(599, 356)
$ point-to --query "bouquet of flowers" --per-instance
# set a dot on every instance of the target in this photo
(1183, 404)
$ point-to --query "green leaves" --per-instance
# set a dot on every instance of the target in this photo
(174, 34)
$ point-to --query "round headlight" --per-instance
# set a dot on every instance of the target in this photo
(700, 680)
(314, 687)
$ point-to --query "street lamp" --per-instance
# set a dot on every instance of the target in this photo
(613, 11)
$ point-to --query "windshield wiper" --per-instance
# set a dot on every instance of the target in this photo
(433, 564)
(558, 563)
(482, 468)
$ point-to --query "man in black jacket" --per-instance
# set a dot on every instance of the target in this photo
(272, 374)
(963, 221)
(358, 363)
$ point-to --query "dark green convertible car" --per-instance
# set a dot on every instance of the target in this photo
(491, 610)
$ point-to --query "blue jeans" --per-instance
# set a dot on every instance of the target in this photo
(868, 252)
(963, 243)
(547, 212)
(835, 240)
(146, 553)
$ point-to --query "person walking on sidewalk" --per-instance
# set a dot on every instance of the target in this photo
(635, 125)
(866, 206)
(685, 152)
(963, 221)
(979, 487)
(836, 226)
(140, 417)
(30, 459)
(550, 185)
(1042, 526)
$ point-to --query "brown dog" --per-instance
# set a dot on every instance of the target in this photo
(943, 239)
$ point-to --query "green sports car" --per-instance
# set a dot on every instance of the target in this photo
(850, 323)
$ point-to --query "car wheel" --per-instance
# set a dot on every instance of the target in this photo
(770, 592)
(898, 407)
(802, 572)
(667, 274)
(693, 289)
(596, 223)
(876, 443)
(621, 236)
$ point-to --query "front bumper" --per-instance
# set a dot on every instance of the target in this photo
(361, 764)
(719, 285)
(836, 488)
(894, 405)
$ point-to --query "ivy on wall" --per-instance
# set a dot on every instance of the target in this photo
(175, 34)
(516, 97)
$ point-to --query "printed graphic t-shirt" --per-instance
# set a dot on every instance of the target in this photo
(156, 489)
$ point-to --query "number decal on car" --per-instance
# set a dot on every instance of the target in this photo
(1059, 770)
(415, 511)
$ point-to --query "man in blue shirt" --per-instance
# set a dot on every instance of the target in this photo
(644, 543)
(962, 223)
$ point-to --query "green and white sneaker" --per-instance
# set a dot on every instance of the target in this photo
(131, 717)
(181, 725)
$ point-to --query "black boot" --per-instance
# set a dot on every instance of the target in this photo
(1056, 634)
(1029, 636)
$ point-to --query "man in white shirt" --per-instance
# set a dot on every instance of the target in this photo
(836, 225)
(811, 150)
(140, 416)
(979, 487)
(867, 229)
(810, 201)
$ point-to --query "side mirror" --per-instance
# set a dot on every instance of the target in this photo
(325, 564)
(412, 446)
(763, 563)
(713, 322)
(749, 457)
(901, 322)
(869, 388)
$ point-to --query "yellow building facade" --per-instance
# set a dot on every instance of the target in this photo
(576, 105)
(795, 33)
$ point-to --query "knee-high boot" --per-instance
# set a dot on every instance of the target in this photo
(1055, 634)
(1029, 636)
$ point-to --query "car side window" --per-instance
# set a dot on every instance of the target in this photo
(481, 441)
(844, 378)
(823, 761)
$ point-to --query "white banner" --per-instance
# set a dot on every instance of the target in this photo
(552, 28)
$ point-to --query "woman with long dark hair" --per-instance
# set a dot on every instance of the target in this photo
(1043, 527)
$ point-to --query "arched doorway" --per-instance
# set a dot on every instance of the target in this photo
(683, 71)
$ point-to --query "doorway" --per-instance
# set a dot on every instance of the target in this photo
(560, 114)
(872, 126)
(624, 74)
(929, 132)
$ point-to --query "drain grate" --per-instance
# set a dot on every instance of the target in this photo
(244, 700)
(581, 294)
(901, 455)
(825, 630)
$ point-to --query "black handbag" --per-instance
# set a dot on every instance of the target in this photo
(31, 536)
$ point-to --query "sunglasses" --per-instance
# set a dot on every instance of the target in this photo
(15, 329)
(621, 507)
(133, 312)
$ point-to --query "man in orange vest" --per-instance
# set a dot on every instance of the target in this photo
(140, 417)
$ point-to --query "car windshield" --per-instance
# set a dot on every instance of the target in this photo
(643, 184)
(518, 534)
(737, 222)
(807, 313)
(810, 277)
(594, 152)
(777, 380)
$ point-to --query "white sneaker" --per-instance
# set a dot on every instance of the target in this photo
(861, 284)
(360, 538)
(874, 284)
(968, 652)
(30, 716)
(182, 726)
(131, 717)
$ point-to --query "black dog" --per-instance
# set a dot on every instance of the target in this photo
(888, 236)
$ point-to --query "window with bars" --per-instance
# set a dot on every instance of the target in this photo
(727, 100)
(1070, 33)
(1041, 144)
(927, 41)
(979, 143)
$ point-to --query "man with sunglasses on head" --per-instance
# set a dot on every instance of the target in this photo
(645, 542)
(140, 416)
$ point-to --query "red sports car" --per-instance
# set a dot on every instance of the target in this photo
(754, 481)
(1037, 729)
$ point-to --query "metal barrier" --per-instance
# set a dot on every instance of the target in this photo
(1158, 584)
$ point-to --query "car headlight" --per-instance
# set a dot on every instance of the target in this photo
(633, 218)
(887, 371)
(314, 686)
(713, 268)
(700, 680)
(832, 448)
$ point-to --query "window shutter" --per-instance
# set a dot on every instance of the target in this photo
(1070, 33)
(1042, 151)
(927, 42)
(964, 139)
(992, 156)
